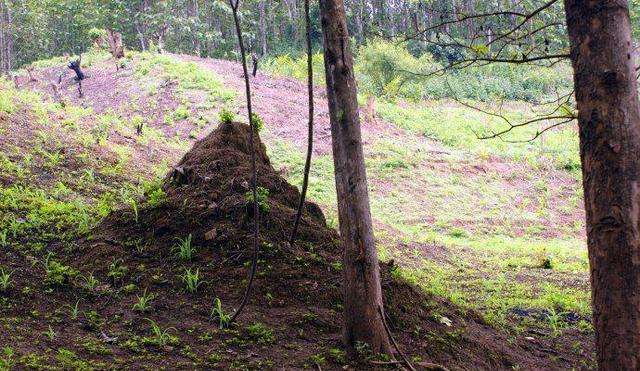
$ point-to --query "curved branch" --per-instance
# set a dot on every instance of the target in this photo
(307, 165)
(254, 170)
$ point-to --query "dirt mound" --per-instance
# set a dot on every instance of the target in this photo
(293, 319)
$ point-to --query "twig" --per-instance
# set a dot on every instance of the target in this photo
(254, 171)
(405, 360)
(307, 165)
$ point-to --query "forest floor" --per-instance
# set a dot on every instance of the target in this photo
(485, 264)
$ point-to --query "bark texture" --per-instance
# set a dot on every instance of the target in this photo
(609, 122)
(362, 292)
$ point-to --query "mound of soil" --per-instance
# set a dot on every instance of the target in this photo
(293, 318)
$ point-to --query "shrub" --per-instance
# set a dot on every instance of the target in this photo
(258, 122)
(285, 65)
(226, 116)
(96, 33)
(388, 69)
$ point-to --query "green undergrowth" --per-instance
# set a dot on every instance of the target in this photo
(459, 127)
(387, 69)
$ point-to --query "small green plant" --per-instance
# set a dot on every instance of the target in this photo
(134, 207)
(156, 196)
(226, 116)
(90, 282)
(57, 273)
(161, 337)
(5, 280)
(6, 361)
(117, 270)
(75, 310)
(144, 302)
(184, 249)
(50, 333)
(3, 238)
(219, 313)
(261, 333)
(263, 195)
(191, 280)
(258, 122)
(338, 355)
(181, 113)
(556, 322)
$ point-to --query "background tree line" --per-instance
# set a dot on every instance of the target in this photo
(32, 30)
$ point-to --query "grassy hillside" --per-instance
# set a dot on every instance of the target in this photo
(495, 229)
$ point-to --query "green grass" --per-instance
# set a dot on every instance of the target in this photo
(189, 75)
(456, 126)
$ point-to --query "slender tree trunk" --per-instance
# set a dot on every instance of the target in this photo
(609, 122)
(9, 37)
(6, 37)
(262, 24)
(362, 292)
(3, 49)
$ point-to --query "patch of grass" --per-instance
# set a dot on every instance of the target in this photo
(57, 274)
(161, 337)
(558, 148)
(261, 333)
(191, 280)
(184, 249)
(226, 116)
(144, 302)
(189, 75)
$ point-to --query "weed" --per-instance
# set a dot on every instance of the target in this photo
(90, 281)
(161, 337)
(226, 116)
(5, 280)
(338, 355)
(3, 238)
(184, 249)
(556, 322)
(57, 273)
(263, 195)
(258, 122)
(181, 113)
(117, 270)
(219, 313)
(50, 333)
(156, 196)
(74, 310)
(318, 359)
(191, 280)
(261, 333)
(6, 361)
(134, 207)
(144, 302)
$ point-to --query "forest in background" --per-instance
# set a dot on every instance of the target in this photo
(34, 30)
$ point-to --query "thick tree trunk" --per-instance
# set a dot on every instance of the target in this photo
(362, 292)
(609, 122)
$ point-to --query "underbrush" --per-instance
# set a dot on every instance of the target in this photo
(387, 69)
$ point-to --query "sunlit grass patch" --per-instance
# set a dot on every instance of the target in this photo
(188, 75)
(457, 126)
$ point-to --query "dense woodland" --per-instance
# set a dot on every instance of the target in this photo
(484, 199)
